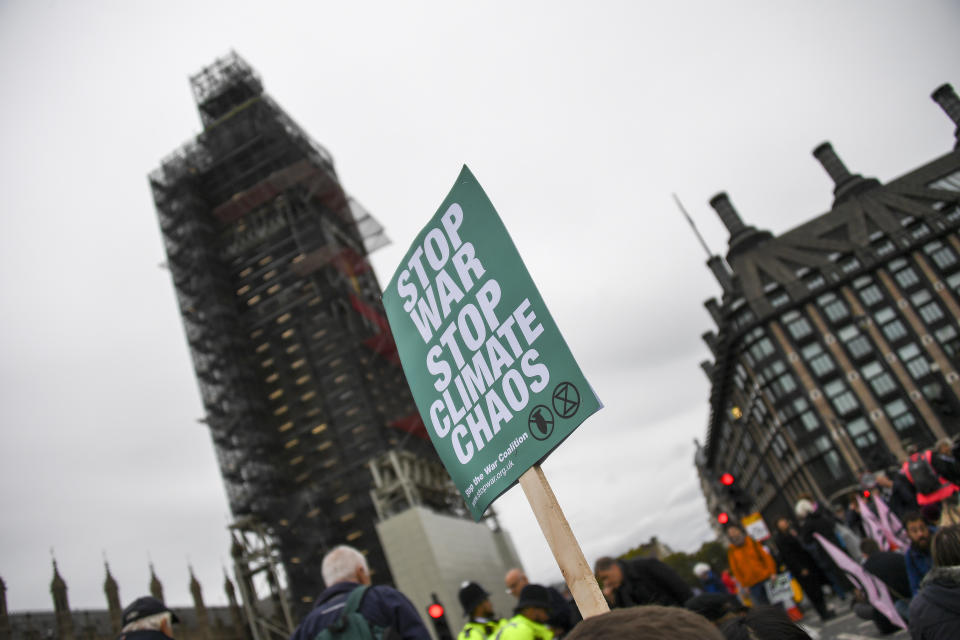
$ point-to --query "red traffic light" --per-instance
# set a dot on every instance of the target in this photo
(435, 610)
(866, 494)
(726, 479)
(723, 518)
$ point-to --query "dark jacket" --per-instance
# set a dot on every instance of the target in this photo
(918, 565)
(903, 497)
(563, 615)
(891, 568)
(947, 467)
(711, 583)
(381, 605)
(794, 555)
(649, 581)
(818, 522)
(935, 610)
(144, 634)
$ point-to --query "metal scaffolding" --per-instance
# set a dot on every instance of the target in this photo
(297, 368)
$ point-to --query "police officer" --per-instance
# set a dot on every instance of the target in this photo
(482, 623)
(532, 613)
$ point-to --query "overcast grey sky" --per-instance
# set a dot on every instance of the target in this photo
(579, 119)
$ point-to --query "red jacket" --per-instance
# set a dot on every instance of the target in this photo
(946, 489)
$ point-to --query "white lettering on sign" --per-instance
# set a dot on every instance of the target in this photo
(481, 358)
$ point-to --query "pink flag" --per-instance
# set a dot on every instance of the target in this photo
(875, 590)
(872, 524)
(892, 527)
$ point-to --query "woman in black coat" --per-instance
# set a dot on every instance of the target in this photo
(802, 566)
(935, 610)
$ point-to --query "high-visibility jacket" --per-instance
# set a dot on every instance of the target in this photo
(480, 630)
(946, 489)
(519, 627)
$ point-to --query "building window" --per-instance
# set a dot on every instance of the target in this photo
(834, 308)
(906, 278)
(914, 359)
(761, 349)
(861, 433)
(820, 362)
(884, 247)
(942, 255)
(832, 460)
(815, 282)
(779, 300)
(871, 295)
(947, 337)
(809, 421)
(798, 326)
(879, 380)
(954, 282)
(842, 398)
(899, 415)
(891, 326)
(857, 344)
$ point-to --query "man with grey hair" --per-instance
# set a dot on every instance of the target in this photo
(345, 571)
(147, 618)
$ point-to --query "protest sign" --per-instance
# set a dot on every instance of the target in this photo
(493, 379)
(755, 527)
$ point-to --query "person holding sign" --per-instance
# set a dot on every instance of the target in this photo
(750, 563)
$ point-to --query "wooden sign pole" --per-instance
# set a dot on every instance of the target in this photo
(566, 550)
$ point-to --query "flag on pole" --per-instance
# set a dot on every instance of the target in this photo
(872, 525)
(891, 524)
(875, 590)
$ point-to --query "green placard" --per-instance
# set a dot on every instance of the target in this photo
(495, 382)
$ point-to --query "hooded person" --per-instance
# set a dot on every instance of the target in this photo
(482, 622)
(147, 618)
(531, 615)
(709, 581)
(935, 610)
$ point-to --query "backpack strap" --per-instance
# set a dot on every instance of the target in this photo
(351, 606)
(353, 601)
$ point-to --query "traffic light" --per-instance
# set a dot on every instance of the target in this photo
(438, 616)
(735, 496)
(866, 494)
(723, 517)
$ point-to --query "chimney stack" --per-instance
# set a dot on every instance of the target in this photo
(714, 308)
(710, 338)
(845, 184)
(728, 215)
(947, 98)
(832, 163)
(722, 273)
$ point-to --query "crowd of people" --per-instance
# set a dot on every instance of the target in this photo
(908, 541)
